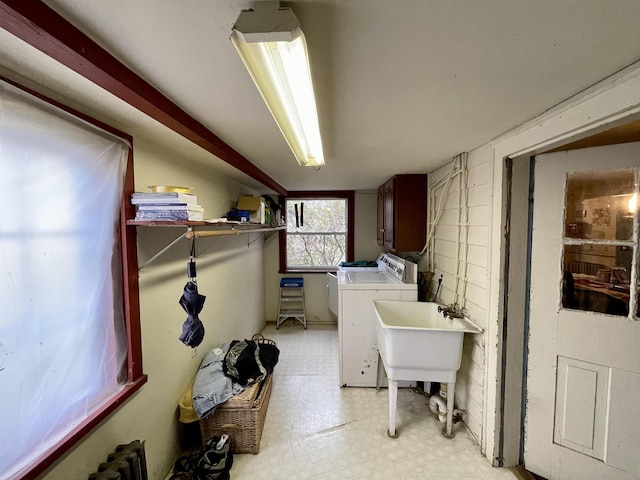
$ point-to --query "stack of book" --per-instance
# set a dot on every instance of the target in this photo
(167, 206)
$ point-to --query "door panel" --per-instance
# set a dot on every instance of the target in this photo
(624, 421)
(581, 400)
(583, 386)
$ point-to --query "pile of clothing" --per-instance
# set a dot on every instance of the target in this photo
(228, 370)
(224, 372)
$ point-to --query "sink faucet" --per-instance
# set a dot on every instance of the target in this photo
(452, 311)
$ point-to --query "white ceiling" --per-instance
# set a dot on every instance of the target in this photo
(402, 86)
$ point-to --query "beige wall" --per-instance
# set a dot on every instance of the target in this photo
(230, 274)
(366, 246)
(315, 285)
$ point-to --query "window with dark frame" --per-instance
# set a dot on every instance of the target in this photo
(319, 231)
(599, 251)
(70, 232)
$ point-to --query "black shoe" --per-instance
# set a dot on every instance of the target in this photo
(181, 476)
(216, 460)
(186, 464)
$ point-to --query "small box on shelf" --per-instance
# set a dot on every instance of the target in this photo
(255, 206)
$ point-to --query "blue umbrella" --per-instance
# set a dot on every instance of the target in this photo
(192, 328)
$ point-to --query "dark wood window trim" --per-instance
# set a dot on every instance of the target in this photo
(127, 234)
(349, 195)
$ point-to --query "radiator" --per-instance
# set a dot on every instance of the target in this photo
(127, 462)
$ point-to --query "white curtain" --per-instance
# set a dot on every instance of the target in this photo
(62, 336)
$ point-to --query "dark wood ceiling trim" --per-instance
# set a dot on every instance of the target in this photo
(40, 26)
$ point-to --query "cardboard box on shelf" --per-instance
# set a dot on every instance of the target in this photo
(255, 206)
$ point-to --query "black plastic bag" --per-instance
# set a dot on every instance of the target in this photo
(248, 361)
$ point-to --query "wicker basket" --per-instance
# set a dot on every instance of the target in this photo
(241, 417)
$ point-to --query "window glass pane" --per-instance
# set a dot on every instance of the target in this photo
(316, 250)
(596, 278)
(316, 215)
(600, 205)
(316, 232)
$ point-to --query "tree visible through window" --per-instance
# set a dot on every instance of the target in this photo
(317, 234)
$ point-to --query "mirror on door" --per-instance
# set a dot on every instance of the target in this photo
(597, 259)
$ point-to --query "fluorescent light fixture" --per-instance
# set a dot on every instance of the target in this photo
(273, 48)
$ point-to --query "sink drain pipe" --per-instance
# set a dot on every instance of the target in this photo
(439, 407)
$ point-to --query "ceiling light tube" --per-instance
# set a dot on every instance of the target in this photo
(274, 51)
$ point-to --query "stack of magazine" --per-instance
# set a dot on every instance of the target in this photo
(167, 206)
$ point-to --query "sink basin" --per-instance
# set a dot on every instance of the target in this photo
(418, 343)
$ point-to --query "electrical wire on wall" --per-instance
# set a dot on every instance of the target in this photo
(437, 208)
(438, 196)
(463, 231)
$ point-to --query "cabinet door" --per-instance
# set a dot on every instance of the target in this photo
(380, 223)
(410, 212)
(402, 212)
(388, 234)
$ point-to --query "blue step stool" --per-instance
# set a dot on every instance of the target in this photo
(291, 303)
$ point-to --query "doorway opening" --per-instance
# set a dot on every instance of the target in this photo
(514, 328)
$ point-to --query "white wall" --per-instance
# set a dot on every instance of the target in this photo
(230, 274)
(612, 102)
(472, 289)
(315, 285)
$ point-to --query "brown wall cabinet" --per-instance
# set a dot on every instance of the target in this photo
(402, 213)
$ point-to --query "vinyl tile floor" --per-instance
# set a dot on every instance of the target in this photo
(316, 430)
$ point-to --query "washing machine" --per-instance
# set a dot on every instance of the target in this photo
(393, 279)
(332, 279)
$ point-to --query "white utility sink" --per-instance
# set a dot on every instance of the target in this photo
(417, 343)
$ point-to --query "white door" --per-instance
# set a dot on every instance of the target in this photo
(583, 386)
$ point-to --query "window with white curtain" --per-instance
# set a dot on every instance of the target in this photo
(63, 343)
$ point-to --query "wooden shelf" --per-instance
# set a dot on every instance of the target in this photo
(185, 223)
(215, 228)
(211, 229)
